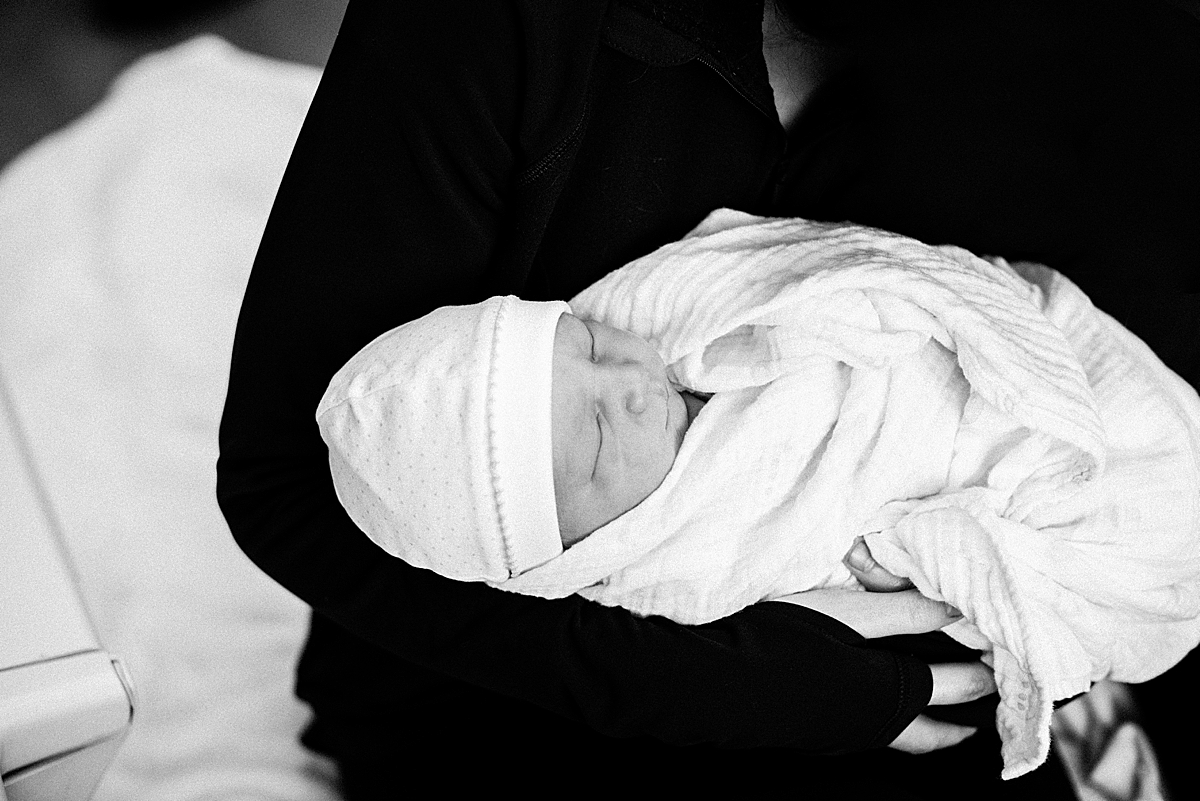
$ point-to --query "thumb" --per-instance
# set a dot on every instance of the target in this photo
(871, 574)
(925, 734)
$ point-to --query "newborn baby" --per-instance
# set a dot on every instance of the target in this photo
(617, 423)
(480, 441)
(993, 437)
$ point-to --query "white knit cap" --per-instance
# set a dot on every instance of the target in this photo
(439, 439)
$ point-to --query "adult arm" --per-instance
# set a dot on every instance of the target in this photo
(893, 607)
(393, 204)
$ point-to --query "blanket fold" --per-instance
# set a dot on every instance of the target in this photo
(994, 437)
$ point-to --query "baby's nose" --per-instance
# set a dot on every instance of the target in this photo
(637, 387)
(635, 399)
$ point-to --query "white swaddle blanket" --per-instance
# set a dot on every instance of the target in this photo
(998, 440)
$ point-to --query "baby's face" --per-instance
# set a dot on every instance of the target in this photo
(616, 424)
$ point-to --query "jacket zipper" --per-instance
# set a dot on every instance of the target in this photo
(547, 161)
(703, 59)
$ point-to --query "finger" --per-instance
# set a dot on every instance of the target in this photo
(913, 614)
(959, 682)
(874, 614)
(926, 734)
(870, 573)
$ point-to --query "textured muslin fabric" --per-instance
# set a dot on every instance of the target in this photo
(996, 439)
(439, 439)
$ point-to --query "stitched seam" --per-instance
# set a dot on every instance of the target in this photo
(493, 455)
(543, 164)
(646, 58)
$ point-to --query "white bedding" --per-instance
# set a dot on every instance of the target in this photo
(125, 243)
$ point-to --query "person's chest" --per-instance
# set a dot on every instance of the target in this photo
(691, 106)
(680, 120)
(663, 148)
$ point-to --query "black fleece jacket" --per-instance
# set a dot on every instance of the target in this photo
(462, 148)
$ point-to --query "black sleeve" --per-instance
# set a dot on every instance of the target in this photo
(391, 206)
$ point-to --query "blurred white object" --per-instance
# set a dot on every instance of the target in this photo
(1107, 754)
(65, 703)
(125, 243)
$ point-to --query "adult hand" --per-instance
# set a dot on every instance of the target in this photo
(953, 683)
(878, 614)
(892, 607)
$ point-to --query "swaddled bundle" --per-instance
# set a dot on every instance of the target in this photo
(993, 437)
(996, 439)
